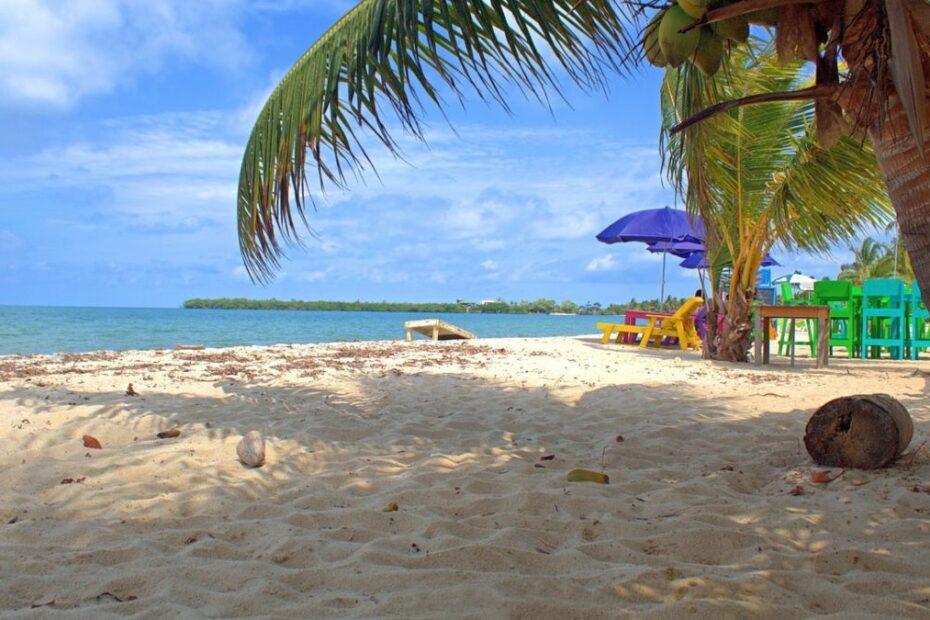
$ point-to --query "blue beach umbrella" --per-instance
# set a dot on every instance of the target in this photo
(697, 260)
(653, 226)
(681, 249)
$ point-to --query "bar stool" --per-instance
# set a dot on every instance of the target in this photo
(884, 318)
(786, 335)
(919, 336)
(844, 314)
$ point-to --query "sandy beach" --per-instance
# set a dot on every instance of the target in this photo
(697, 520)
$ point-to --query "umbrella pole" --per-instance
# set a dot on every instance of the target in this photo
(662, 284)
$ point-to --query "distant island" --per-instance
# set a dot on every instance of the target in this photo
(497, 306)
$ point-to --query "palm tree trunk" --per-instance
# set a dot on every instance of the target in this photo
(907, 175)
(733, 344)
(709, 350)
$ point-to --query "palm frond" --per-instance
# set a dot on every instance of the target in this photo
(766, 161)
(871, 259)
(394, 55)
(828, 195)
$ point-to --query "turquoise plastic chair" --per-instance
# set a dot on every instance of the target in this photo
(884, 317)
(919, 336)
(785, 327)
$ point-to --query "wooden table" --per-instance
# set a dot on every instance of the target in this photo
(764, 315)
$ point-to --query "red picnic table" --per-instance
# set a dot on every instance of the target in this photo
(631, 316)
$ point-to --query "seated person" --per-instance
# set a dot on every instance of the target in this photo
(700, 319)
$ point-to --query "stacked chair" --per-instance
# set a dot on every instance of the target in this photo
(884, 318)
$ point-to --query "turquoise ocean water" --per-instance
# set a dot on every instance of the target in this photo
(45, 329)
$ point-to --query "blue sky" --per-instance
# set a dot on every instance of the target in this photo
(123, 124)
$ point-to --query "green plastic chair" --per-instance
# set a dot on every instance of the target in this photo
(919, 336)
(884, 317)
(844, 313)
(785, 327)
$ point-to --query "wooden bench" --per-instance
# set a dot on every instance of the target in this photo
(437, 329)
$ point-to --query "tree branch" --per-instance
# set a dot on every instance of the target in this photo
(742, 8)
(821, 91)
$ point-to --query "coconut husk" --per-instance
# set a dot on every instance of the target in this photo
(864, 431)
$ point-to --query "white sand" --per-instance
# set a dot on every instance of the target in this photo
(697, 521)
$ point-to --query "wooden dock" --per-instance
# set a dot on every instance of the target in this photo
(437, 329)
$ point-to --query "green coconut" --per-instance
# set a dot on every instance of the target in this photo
(734, 29)
(651, 49)
(709, 52)
(694, 8)
(677, 46)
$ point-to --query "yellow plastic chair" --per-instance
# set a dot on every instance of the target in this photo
(680, 325)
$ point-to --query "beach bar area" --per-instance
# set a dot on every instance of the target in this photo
(884, 317)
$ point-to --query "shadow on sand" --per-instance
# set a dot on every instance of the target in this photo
(697, 519)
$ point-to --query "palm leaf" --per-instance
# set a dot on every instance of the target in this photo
(764, 161)
(870, 260)
(388, 54)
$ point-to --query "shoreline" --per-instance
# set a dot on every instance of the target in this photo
(697, 518)
(51, 330)
(58, 356)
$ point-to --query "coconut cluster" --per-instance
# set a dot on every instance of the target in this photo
(666, 42)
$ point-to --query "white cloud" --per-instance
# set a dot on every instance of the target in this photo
(488, 245)
(55, 52)
(516, 182)
(636, 253)
(509, 193)
(245, 116)
(314, 276)
(166, 173)
(486, 214)
(569, 224)
(385, 276)
(9, 242)
(419, 251)
(603, 263)
(503, 190)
